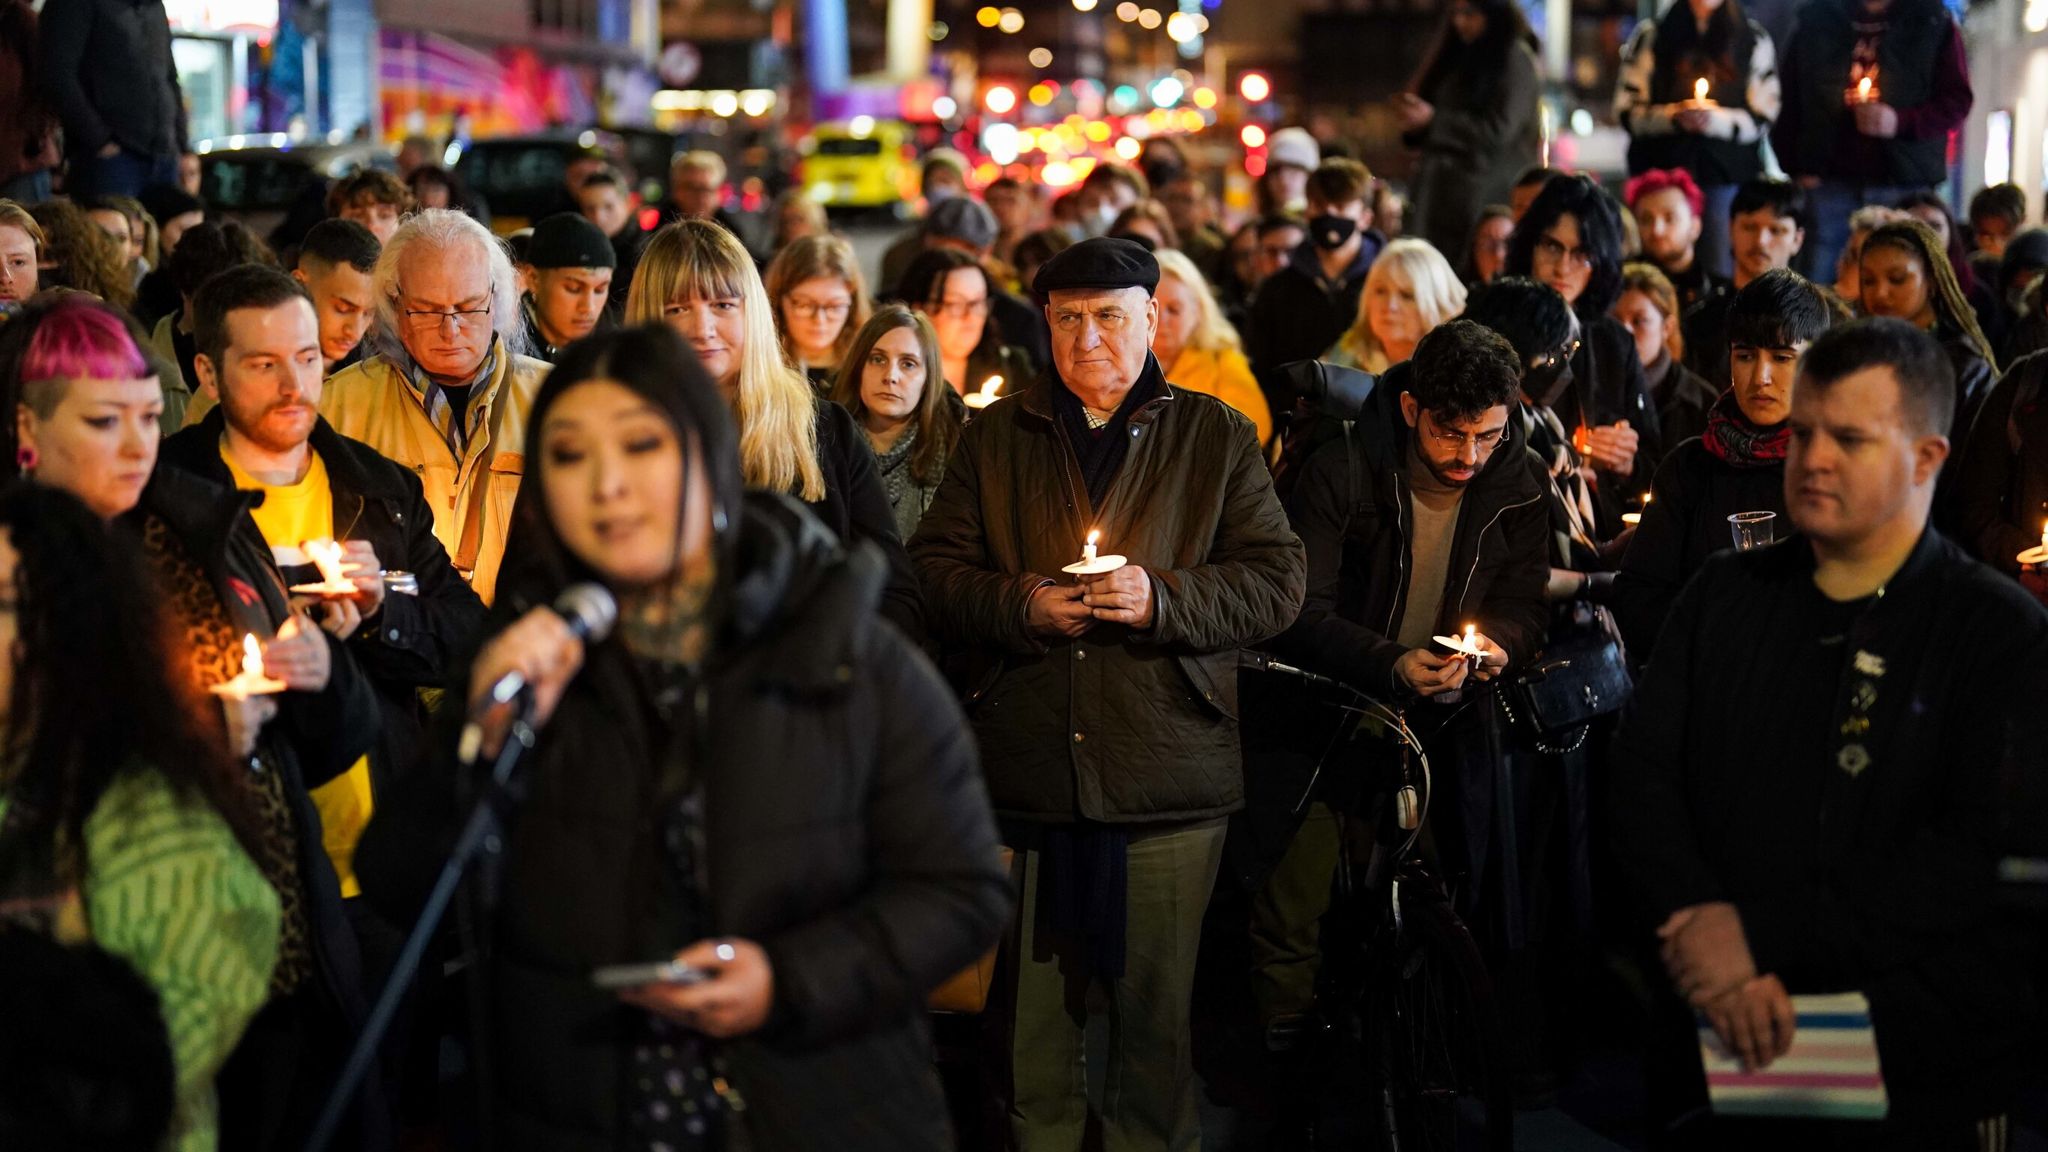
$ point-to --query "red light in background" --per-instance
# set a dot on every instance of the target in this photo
(650, 219)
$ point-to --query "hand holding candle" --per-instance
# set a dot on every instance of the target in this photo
(1091, 564)
(1634, 518)
(299, 656)
(1120, 596)
(254, 678)
(1480, 653)
(331, 558)
(2037, 555)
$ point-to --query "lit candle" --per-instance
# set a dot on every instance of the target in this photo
(326, 556)
(1865, 92)
(252, 680)
(252, 657)
(987, 395)
(1088, 549)
(2044, 535)
(1469, 632)
(1699, 90)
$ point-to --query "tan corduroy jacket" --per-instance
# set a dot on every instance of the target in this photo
(375, 402)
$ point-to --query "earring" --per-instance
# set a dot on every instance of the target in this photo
(26, 459)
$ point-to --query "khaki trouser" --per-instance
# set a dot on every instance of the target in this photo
(1287, 914)
(1149, 1095)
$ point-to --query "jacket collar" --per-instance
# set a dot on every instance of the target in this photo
(1037, 399)
(1385, 434)
(1794, 559)
(197, 450)
(1307, 259)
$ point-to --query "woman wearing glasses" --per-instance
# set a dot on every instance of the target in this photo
(954, 291)
(1570, 239)
(820, 302)
(697, 278)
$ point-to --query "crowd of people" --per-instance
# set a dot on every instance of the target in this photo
(881, 709)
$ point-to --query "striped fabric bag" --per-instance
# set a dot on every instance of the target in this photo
(1830, 1073)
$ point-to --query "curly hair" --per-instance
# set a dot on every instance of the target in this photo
(86, 259)
(1599, 223)
(1952, 309)
(1463, 368)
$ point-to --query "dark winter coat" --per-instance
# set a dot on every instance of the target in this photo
(1923, 72)
(1298, 314)
(1118, 725)
(846, 831)
(414, 641)
(856, 508)
(1876, 868)
(1687, 521)
(1484, 135)
(107, 67)
(2000, 469)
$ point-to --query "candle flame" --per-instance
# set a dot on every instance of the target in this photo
(326, 556)
(1094, 534)
(1699, 89)
(989, 386)
(1469, 630)
(252, 657)
(1863, 88)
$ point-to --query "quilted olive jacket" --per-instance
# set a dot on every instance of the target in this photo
(1119, 725)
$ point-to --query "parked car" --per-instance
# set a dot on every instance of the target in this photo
(862, 163)
(522, 176)
(260, 180)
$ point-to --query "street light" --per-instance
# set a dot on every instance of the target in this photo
(1253, 136)
(1041, 58)
(1254, 87)
(1011, 21)
(1166, 93)
(1000, 99)
(1148, 19)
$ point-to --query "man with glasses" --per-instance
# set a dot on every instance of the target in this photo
(1105, 701)
(569, 269)
(1427, 517)
(448, 391)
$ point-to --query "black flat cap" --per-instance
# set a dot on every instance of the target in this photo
(1098, 263)
(567, 240)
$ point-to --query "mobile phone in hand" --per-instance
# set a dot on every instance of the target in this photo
(613, 977)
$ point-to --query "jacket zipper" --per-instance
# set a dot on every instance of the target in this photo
(1401, 567)
(1479, 544)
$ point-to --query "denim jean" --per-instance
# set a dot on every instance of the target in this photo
(125, 173)
(1827, 231)
(27, 188)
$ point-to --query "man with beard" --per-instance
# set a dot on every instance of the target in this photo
(1426, 517)
(260, 351)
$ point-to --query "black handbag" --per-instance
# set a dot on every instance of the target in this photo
(1571, 684)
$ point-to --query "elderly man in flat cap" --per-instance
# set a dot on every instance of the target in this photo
(1105, 701)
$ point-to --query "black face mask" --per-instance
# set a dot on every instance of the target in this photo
(1330, 231)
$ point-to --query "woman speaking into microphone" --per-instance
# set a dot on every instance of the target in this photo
(753, 837)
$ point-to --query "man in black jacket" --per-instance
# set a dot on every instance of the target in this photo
(1808, 793)
(1424, 518)
(108, 67)
(259, 349)
(1767, 226)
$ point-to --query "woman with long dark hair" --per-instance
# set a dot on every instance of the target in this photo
(1472, 114)
(955, 293)
(1907, 276)
(1699, 90)
(748, 776)
(122, 826)
(890, 382)
(1570, 240)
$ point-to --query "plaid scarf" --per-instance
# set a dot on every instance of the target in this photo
(1740, 443)
(454, 426)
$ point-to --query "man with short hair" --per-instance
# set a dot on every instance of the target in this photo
(373, 198)
(448, 390)
(1107, 703)
(1019, 207)
(1302, 309)
(1667, 206)
(1193, 210)
(335, 262)
(607, 200)
(1105, 192)
(1423, 517)
(569, 267)
(1766, 226)
(1278, 237)
(1808, 790)
(414, 153)
(697, 191)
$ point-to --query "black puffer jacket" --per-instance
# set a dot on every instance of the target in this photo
(846, 831)
(413, 641)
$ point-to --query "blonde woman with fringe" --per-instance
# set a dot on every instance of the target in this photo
(821, 301)
(697, 278)
(1197, 348)
(1410, 290)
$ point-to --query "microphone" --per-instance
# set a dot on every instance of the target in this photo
(589, 610)
(1252, 658)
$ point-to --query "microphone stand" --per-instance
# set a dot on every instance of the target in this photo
(479, 837)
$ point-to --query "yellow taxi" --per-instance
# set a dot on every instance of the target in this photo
(859, 163)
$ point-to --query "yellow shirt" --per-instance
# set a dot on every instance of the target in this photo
(290, 515)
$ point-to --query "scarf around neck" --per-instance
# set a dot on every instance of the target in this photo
(1735, 440)
(1101, 451)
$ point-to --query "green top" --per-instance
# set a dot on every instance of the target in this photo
(168, 889)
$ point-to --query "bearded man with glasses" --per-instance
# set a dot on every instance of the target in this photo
(1426, 517)
(449, 388)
